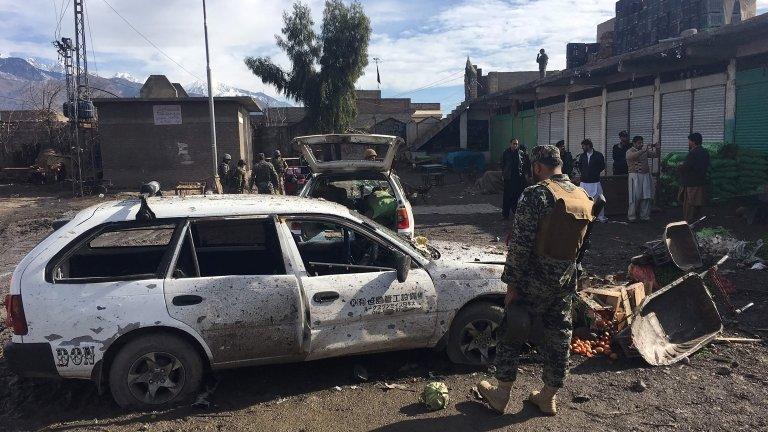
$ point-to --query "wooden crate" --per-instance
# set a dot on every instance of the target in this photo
(190, 188)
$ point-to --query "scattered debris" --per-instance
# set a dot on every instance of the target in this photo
(724, 371)
(435, 395)
(202, 399)
(395, 386)
(581, 398)
(639, 386)
(337, 388)
(360, 373)
(737, 340)
(476, 393)
(758, 266)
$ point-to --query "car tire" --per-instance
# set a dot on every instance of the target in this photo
(175, 377)
(477, 322)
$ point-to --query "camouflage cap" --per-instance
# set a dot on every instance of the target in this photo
(546, 154)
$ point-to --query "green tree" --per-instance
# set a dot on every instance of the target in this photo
(325, 66)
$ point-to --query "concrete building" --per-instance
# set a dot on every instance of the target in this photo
(388, 116)
(164, 135)
(713, 82)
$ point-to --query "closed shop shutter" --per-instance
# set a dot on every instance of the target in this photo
(542, 127)
(617, 120)
(641, 118)
(593, 127)
(575, 130)
(709, 113)
(752, 111)
(675, 121)
(556, 127)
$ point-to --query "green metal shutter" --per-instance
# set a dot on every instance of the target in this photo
(528, 136)
(502, 131)
(752, 109)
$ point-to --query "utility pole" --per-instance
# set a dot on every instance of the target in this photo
(216, 179)
(65, 49)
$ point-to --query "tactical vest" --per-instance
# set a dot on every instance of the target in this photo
(562, 231)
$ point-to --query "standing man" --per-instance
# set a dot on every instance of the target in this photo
(281, 166)
(591, 164)
(640, 188)
(513, 175)
(693, 178)
(619, 154)
(225, 172)
(264, 176)
(542, 59)
(567, 158)
(548, 231)
(240, 178)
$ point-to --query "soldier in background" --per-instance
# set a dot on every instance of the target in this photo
(225, 172)
(264, 177)
(567, 158)
(240, 178)
(549, 228)
(542, 59)
(281, 166)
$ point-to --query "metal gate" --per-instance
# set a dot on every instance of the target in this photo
(575, 130)
(752, 109)
(641, 118)
(593, 128)
(709, 113)
(617, 120)
(556, 127)
(542, 126)
(675, 121)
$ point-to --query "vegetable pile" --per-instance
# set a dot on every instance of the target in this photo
(600, 345)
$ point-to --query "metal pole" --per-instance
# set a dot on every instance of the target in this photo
(210, 102)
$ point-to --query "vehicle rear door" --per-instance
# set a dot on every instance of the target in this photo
(354, 299)
(228, 281)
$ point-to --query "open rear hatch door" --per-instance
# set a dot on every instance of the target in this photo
(346, 152)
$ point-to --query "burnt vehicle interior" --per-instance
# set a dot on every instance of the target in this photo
(118, 252)
(229, 247)
(328, 248)
(354, 191)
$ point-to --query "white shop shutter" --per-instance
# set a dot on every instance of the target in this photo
(542, 129)
(556, 127)
(709, 113)
(641, 118)
(593, 127)
(617, 120)
(675, 121)
(575, 130)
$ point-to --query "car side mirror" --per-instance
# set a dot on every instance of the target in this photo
(403, 266)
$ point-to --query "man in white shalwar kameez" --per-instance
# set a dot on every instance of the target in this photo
(640, 185)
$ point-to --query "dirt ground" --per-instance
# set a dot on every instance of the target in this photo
(723, 387)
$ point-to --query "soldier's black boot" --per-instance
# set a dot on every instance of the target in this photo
(496, 396)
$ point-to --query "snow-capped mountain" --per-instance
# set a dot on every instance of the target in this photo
(19, 76)
(222, 89)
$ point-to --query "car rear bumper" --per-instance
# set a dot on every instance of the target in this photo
(30, 359)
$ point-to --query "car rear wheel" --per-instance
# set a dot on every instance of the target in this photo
(473, 335)
(153, 371)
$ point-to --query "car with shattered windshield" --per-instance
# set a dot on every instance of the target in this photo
(355, 170)
(143, 296)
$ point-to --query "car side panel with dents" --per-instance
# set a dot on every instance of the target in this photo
(460, 283)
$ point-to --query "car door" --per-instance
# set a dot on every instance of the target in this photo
(228, 281)
(355, 302)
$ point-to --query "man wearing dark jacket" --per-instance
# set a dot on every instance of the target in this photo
(567, 158)
(619, 154)
(591, 163)
(513, 174)
(693, 178)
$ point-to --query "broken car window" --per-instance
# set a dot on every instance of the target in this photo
(331, 248)
(116, 254)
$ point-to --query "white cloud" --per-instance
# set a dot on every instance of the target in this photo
(419, 42)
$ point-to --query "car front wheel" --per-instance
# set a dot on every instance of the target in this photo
(153, 371)
(473, 336)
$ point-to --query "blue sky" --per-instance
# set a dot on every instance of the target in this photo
(422, 43)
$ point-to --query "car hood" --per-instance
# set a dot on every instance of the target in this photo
(345, 152)
(466, 262)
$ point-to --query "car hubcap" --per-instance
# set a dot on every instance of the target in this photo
(156, 378)
(478, 341)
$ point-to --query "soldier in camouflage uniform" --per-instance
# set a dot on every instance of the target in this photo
(264, 177)
(549, 227)
(240, 178)
(280, 167)
(225, 173)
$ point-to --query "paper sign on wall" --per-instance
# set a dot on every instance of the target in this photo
(167, 114)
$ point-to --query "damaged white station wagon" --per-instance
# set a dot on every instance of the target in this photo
(145, 295)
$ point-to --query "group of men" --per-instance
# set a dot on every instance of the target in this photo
(629, 158)
(267, 177)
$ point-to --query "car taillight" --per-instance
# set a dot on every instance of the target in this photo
(14, 311)
(402, 218)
